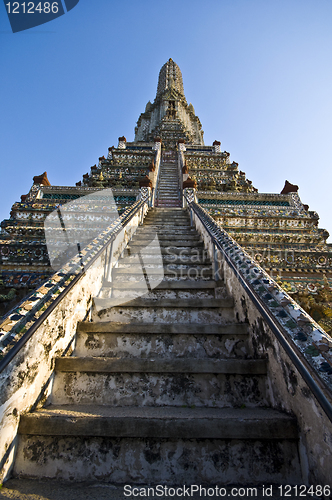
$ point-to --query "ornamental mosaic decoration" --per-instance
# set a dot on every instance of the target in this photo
(307, 335)
(204, 201)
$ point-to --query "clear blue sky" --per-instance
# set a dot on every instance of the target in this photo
(258, 73)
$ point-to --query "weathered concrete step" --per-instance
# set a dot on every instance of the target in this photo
(154, 328)
(197, 250)
(171, 303)
(171, 211)
(165, 345)
(181, 271)
(164, 315)
(159, 314)
(163, 235)
(164, 218)
(167, 216)
(167, 226)
(132, 290)
(123, 296)
(165, 203)
(152, 230)
(172, 200)
(172, 244)
(190, 268)
(166, 285)
(167, 259)
(165, 196)
(159, 388)
(181, 282)
(156, 461)
(165, 191)
(185, 365)
(158, 266)
(166, 230)
(168, 202)
(167, 422)
(167, 237)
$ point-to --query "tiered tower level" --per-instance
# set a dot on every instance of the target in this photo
(278, 230)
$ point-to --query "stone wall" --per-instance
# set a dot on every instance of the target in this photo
(287, 388)
(26, 381)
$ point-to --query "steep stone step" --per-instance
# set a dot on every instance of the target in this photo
(170, 244)
(171, 211)
(161, 203)
(165, 422)
(197, 250)
(192, 271)
(167, 219)
(166, 237)
(164, 196)
(160, 365)
(168, 285)
(153, 461)
(163, 188)
(165, 229)
(228, 344)
(166, 226)
(136, 382)
(172, 328)
(131, 290)
(164, 315)
(171, 303)
(167, 259)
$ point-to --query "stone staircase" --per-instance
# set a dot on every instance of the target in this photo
(162, 389)
(168, 185)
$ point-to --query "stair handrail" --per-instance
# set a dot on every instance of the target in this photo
(58, 286)
(157, 176)
(180, 174)
(258, 284)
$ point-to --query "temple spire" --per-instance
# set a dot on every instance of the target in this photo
(170, 77)
(169, 117)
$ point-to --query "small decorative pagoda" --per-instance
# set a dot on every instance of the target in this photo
(278, 230)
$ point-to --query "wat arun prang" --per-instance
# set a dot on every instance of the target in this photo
(278, 230)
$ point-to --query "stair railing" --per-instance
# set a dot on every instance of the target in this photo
(43, 325)
(180, 170)
(299, 335)
(58, 286)
(156, 177)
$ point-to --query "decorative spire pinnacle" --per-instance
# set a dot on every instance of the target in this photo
(170, 77)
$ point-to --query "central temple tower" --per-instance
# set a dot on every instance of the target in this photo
(167, 155)
(169, 117)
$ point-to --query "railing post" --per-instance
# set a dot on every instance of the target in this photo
(108, 264)
(215, 262)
